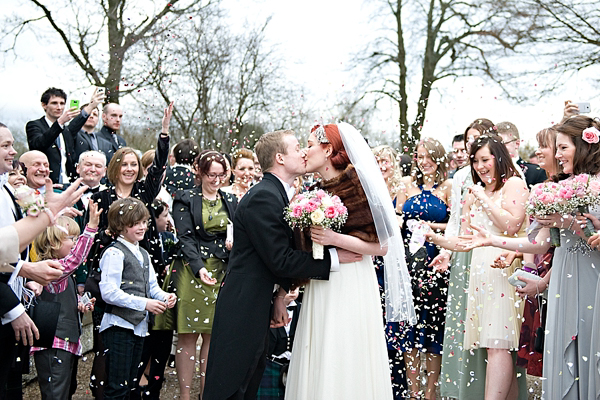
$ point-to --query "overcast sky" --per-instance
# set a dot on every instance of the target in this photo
(317, 38)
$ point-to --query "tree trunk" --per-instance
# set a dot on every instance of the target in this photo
(403, 103)
(116, 51)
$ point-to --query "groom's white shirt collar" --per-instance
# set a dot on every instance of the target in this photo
(289, 190)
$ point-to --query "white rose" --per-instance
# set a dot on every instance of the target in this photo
(327, 202)
(317, 216)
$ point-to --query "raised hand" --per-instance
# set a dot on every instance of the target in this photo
(166, 121)
(68, 115)
(94, 214)
(57, 201)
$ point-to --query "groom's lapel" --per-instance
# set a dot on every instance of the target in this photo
(278, 185)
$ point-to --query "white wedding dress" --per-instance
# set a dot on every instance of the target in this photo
(339, 348)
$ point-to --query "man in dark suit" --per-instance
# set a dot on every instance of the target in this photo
(87, 139)
(509, 133)
(51, 136)
(181, 176)
(112, 115)
(263, 256)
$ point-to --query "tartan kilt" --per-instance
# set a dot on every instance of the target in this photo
(271, 386)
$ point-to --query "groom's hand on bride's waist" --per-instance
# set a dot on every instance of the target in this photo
(347, 256)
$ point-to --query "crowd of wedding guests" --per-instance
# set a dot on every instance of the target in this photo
(144, 247)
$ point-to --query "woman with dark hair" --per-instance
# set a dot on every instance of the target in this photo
(201, 217)
(493, 318)
(572, 341)
(425, 196)
(461, 370)
(125, 176)
(339, 349)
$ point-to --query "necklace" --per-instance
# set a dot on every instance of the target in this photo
(212, 204)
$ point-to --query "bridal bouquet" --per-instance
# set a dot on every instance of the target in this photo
(545, 200)
(317, 208)
(579, 193)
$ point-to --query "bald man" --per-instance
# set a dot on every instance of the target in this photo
(112, 115)
(38, 169)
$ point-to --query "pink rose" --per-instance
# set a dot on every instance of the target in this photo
(595, 187)
(299, 197)
(297, 211)
(321, 193)
(341, 209)
(582, 178)
(311, 206)
(546, 198)
(331, 212)
(591, 135)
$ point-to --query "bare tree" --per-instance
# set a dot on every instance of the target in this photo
(91, 29)
(228, 88)
(435, 40)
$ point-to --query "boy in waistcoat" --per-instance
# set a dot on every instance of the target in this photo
(129, 288)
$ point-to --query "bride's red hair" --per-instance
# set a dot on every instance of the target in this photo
(339, 158)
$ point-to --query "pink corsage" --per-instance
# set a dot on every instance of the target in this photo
(591, 135)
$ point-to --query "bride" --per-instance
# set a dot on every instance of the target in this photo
(339, 349)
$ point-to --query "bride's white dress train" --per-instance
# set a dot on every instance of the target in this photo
(339, 349)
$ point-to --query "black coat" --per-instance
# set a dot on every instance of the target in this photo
(534, 174)
(146, 191)
(83, 143)
(112, 138)
(195, 243)
(178, 178)
(263, 255)
(42, 137)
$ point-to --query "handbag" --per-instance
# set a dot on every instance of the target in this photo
(44, 315)
(538, 345)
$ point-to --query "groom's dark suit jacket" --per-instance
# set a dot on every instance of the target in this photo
(262, 255)
(42, 137)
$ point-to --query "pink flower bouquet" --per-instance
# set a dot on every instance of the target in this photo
(579, 193)
(317, 208)
(545, 200)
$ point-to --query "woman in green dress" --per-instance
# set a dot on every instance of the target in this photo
(201, 216)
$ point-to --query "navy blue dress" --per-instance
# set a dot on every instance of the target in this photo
(392, 335)
(430, 290)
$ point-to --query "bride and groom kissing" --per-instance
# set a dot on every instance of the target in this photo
(339, 349)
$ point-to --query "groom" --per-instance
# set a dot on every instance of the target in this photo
(263, 255)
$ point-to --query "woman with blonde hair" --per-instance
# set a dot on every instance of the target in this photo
(424, 196)
(242, 165)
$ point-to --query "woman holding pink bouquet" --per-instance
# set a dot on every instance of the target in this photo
(572, 340)
(339, 349)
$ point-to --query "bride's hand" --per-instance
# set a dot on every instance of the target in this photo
(323, 236)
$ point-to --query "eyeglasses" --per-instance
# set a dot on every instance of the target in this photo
(213, 176)
(510, 141)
